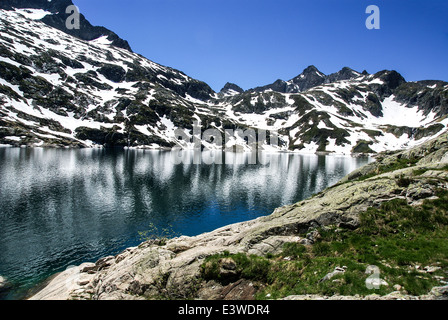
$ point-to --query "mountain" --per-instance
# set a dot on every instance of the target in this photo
(58, 90)
(309, 78)
(345, 73)
(231, 89)
(87, 89)
(56, 17)
(362, 114)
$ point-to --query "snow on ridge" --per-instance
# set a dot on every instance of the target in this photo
(93, 49)
(230, 92)
(33, 14)
(103, 40)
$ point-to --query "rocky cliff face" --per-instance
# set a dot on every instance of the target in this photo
(175, 268)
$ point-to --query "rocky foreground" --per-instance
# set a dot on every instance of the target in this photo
(174, 268)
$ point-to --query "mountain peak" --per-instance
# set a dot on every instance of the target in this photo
(346, 70)
(310, 77)
(310, 69)
(391, 77)
(53, 6)
(58, 18)
(345, 73)
(231, 89)
(232, 86)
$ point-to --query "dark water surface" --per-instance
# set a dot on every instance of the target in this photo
(61, 207)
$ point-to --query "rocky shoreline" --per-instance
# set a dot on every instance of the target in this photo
(172, 268)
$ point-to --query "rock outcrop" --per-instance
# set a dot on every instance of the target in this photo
(437, 293)
(2, 282)
(5, 285)
(172, 268)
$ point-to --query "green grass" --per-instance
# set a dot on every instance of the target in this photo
(397, 165)
(395, 237)
(248, 267)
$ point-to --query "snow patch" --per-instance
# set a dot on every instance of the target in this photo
(33, 14)
(103, 40)
(13, 138)
(395, 113)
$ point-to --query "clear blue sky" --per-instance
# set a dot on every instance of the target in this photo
(255, 42)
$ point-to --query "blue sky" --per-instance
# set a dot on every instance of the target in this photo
(255, 42)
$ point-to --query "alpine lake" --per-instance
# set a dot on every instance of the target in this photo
(64, 207)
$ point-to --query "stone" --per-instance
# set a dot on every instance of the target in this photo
(228, 268)
(313, 236)
(104, 262)
(240, 290)
(419, 192)
(332, 274)
(305, 242)
(440, 292)
(84, 279)
(376, 283)
(273, 245)
(3, 282)
(227, 264)
(431, 269)
(397, 287)
(88, 267)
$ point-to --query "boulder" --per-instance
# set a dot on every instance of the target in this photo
(227, 268)
(3, 282)
(335, 272)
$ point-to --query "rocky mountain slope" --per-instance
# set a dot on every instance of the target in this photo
(84, 88)
(56, 89)
(366, 113)
(397, 203)
(58, 17)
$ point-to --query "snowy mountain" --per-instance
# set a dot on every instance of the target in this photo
(85, 89)
(56, 89)
(54, 14)
(366, 114)
(230, 89)
(309, 78)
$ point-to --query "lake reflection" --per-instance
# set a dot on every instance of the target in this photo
(62, 207)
